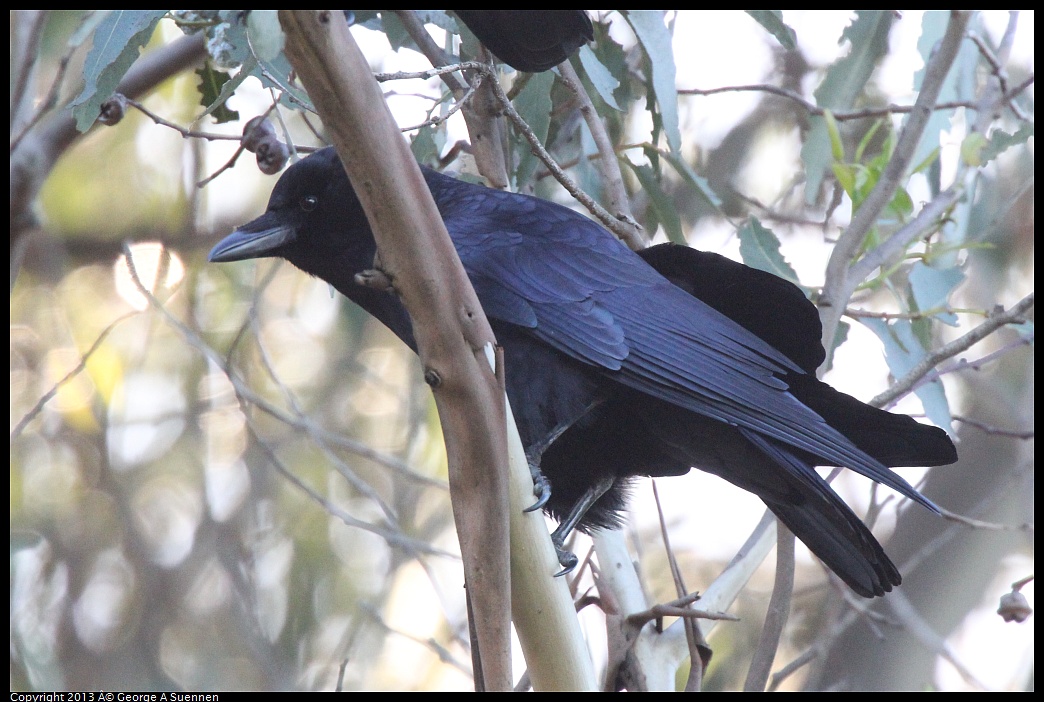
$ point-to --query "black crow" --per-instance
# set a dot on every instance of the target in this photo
(530, 40)
(622, 364)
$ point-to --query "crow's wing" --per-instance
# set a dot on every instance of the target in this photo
(578, 289)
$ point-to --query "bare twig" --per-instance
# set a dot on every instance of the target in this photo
(432, 51)
(617, 194)
(996, 431)
(920, 314)
(27, 28)
(922, 629)
(79, 368)
(186, 133)
(996, 320)
(789, 669)
(778, 612)
(677, 608)
(457, 106)
(699, 652)
(392, 534)
(869, 112)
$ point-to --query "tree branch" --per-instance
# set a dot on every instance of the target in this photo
(996, 321)
(36, 154)
(454, 340)
(840, 281)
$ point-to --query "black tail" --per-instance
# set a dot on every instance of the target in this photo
(779, 313)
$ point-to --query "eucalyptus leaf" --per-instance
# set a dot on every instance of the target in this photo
(902, 352)
(772, 22)
(266, 34)
(648, 26)
(931, 288)
(600, 77)
(845, 81)
(534, 106)
(661, 204)
(118, 40)
(759, 248)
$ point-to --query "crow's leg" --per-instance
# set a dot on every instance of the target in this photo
(541, 485)
(566, 558)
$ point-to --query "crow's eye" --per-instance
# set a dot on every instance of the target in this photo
(309, 203)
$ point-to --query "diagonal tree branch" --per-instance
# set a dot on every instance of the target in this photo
(840, 281)
(453, 337)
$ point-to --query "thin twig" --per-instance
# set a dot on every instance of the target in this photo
(778, 612)
(432, 51)
(47, 396)
(995, 431)
(392, 534)
(615, 191)
(693, 636)
(457, 105)
(996, 320)
(619, 228)
(865, 113)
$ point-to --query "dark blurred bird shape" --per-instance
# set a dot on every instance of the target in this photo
(530, 40)
(623, 364)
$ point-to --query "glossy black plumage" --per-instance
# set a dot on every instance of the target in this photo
(530, 40)
(616, 370)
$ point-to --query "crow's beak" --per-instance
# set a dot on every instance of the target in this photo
(257, 239)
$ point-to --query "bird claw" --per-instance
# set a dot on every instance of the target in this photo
(566, 559)
(542, 491)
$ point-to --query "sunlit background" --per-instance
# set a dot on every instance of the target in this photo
(166, 535)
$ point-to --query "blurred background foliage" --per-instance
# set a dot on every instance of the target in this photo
(286, 526)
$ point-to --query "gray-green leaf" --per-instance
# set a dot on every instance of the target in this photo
(117, 43)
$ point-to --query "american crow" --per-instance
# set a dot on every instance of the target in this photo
(622, 365)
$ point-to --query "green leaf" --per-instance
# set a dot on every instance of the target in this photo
(534, 105)
(901, 205)
(837, 147)
(227, 88)
(611, 55)
(659, 202)
(846, 176)
(931, 158)
(86, 28)
(759, 248)
(844, 82)
(847, 77)
(840, 337)
(902, 352)
(772, 22)
(864, 143)
(469, 43)
(437, 17)
(1001, 141)
(211, 84)
(117, 43)
(602, 80)
(266, 34)
(931, 288)
(424, 147)
(652, 34)
(972, 147)
(933, 28)
(394, 29)
(697, 183)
